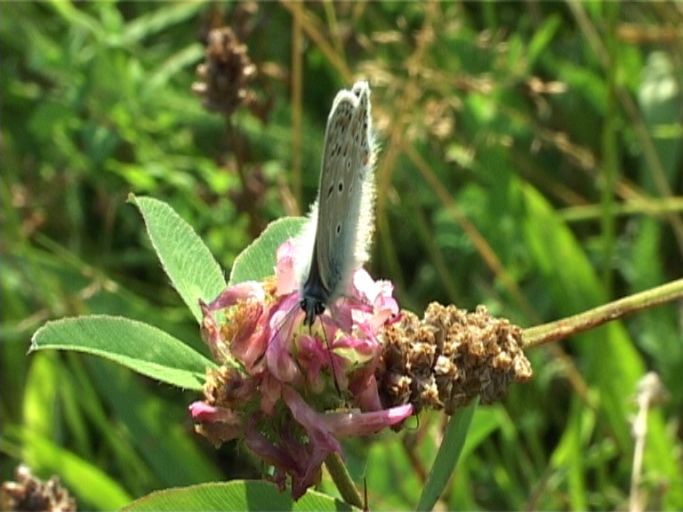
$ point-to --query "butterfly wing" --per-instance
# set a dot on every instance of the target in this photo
(344, 206)
(342, 218)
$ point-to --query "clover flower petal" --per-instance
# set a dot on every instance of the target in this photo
(346, 424)
(242, 291)
(281, 326)
(218, 424)
(285, 268)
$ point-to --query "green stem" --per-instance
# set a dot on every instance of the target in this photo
(639, 206)
(342, 479)
(610, 150)
(447, 457)
(570, 326)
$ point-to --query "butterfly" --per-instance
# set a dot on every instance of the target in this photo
(341, 223)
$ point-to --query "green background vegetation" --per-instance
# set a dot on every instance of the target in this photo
(531, 161)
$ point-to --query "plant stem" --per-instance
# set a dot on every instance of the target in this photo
(559, 329)
(342, 479)
(650, 391)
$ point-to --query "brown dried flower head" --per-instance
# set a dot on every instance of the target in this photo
(449, 357)
(224, 75)
(29, 493)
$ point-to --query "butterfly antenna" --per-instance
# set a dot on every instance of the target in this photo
(329, 353)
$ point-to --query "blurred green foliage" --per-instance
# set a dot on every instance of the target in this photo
(531, 161)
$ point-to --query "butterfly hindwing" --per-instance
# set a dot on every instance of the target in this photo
(345, 201)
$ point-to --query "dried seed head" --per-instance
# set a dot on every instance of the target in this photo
(449, 357)
(29, 493)
(224, 75)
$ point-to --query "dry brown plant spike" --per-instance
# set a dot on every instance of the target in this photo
(449, 357)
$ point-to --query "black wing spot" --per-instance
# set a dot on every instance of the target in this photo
(329, 191)
(341, 186)
(338, 229)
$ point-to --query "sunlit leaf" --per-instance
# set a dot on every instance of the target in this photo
(258, 260)
(140, 347)
(40, 390)
(188, 262)
(236, 495)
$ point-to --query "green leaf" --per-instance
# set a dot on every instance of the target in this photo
(81, 477)
(77, 17)
(257, 261)
(569, 456)
(487, 421)
(235, 495)
(391, 478)
(447, 457)
(123, 456)
(187, 261)
(172, 66)
(139, 346)
(542, 37)
(154, 424)
(39, 390)
(156, 21)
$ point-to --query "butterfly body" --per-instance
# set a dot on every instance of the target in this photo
(341, 222)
